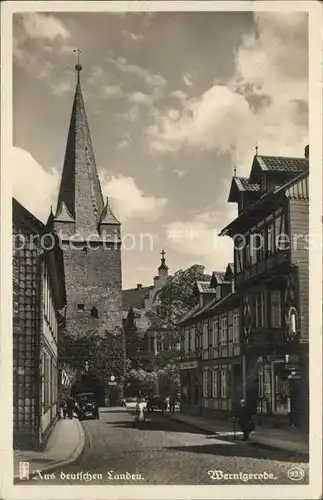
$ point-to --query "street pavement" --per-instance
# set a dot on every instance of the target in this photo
(168, 452)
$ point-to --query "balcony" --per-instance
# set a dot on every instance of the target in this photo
(263, 268)
(261, 337)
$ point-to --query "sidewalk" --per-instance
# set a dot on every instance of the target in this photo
(290, 439)
(64, 447)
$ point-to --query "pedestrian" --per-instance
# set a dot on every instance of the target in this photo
(64, 408)
(172, 404)
(245, 420)
(140, 412)
(69, 407)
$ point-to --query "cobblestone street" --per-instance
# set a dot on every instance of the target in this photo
(170, 453)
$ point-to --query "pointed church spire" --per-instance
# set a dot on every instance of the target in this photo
(80, 197)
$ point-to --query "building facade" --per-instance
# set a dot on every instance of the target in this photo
(38, 315)
(138, 303)
(211, 370)
(271, 276)
(90, 234)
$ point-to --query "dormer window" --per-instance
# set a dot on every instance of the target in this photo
(94, 312)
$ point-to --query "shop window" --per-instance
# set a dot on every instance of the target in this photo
(276, 309)
(281, 389)
(94, 312)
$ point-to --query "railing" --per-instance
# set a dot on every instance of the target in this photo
(262, 267)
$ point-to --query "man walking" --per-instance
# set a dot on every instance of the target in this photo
(245, 420)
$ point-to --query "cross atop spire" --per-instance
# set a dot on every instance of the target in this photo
(78, 66)
(256, 148)
(163, 261)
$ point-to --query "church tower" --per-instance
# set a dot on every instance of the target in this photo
(89, 233)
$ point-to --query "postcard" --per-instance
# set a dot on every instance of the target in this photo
(161, 250)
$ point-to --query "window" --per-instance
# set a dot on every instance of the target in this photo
(80, 307)
(260, 310)
(235, 335)
(261, 381)
(215, 384)
(261, 246)
(215, 339)
(205, 335)
(186, 340)
(94, 312)
(224, 384)
(254, 244)
(281, 239)
(238, 244)
(223, 331)
(270, 239)
(275, 309)
(192, 338)
(205, 384)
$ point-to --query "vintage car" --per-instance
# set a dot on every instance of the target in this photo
(86, 406)
(155, 403)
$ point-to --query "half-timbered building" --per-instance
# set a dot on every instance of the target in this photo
(270, 237)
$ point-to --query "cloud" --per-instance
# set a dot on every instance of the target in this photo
(33, 187)
(188, 80)
(151, 79)
(124, 144)
(265, 101)
(36, 38)
(43, 26)
(111, 91)
(130, 202)
(198, 238)
(180, 173)
(132, 114)
(133, 37)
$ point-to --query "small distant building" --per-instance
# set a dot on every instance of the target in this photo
(39, 302)
(139, 302)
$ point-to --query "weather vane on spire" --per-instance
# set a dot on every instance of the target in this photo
(78, 66)
(256, 148)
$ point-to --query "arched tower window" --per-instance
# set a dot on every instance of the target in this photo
(94, 312)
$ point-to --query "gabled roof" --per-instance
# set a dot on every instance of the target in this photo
(240, 185)
(189, 314)
(229, 272)
(204, 287)
(22, 218)
(296, 188)
(278, 165)
(217, 278)
(135, 297)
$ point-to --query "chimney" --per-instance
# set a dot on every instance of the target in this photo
(307, 151)
(139, 286)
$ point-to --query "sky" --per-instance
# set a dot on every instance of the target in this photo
(175, 101)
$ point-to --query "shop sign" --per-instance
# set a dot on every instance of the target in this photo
(188, 365)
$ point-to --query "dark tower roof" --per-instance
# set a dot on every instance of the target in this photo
(163, 261)
(80, 197)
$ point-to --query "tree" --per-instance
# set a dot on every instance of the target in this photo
(142, 382)
(96, 355)
(174, 299)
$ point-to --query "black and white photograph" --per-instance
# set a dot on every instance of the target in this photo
(164, 289)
